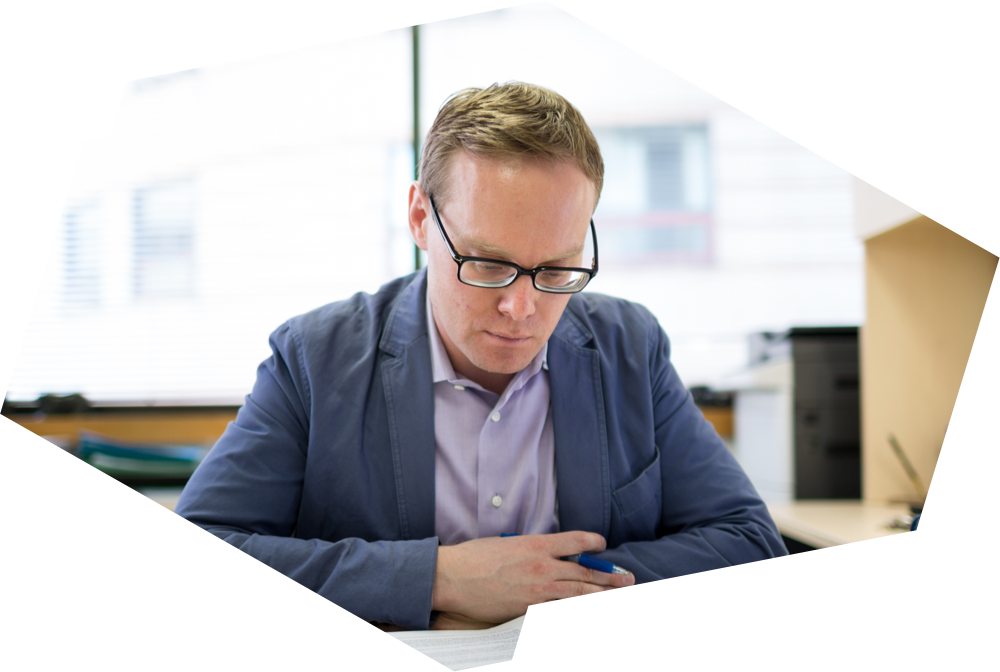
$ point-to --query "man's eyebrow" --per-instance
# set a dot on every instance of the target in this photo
(482, 247)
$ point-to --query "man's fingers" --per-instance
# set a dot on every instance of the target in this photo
(560, 590)
(605, 581)
(577, 572)
(577, 541)
(569, 579)
(564, 589)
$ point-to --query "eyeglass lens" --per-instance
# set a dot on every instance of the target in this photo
(485, 274)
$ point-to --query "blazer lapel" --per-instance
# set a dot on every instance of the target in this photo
(578, 421)
(409, 400)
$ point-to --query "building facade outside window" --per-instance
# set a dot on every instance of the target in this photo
(655, 206)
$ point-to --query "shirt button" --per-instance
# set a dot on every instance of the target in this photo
(460, 387)
(495, 417)
(496, 501)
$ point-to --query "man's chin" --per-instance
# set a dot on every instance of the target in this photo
(503, 365)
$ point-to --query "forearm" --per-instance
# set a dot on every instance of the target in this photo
(697, 550)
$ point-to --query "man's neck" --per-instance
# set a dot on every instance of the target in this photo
(461, 365)
(494, 382)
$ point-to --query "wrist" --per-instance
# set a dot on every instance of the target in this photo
(442, 595)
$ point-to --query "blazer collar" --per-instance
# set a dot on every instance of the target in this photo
(570, 328)
(407, 319)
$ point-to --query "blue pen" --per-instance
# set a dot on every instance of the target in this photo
(589, 562)
(585, 560)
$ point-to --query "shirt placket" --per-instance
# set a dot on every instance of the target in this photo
(494, 516)
(497, 503)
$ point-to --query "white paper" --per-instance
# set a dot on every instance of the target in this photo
(462, 649)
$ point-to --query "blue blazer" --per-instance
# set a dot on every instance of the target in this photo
(327, 473)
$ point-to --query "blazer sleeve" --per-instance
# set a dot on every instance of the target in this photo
(248, 490)
(711, 515)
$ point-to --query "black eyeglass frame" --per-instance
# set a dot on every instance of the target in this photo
(460, 260)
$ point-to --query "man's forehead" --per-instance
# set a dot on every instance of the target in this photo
(507, 206)
(493, 235)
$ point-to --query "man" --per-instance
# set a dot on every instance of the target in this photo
(392, 438)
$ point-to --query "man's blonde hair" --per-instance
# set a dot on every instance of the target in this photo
(513, 120)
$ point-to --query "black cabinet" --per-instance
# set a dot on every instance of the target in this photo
(825, 409)
(826, 412)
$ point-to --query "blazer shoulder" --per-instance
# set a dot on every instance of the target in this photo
(607, 317)
(347, 328)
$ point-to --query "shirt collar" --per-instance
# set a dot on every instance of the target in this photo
(442, 370)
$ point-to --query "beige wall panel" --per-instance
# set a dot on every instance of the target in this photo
(926, 290)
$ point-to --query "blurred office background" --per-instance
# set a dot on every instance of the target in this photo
(234, 196)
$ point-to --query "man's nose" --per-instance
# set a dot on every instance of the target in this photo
(518, 299)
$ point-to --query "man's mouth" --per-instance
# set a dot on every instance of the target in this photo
(510, 339)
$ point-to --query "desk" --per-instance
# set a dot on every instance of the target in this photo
(823, 523)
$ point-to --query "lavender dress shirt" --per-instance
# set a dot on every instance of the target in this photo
(494, 465)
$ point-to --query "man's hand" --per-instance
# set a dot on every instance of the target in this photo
(496, 579)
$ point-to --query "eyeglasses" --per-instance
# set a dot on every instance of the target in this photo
(492, 273)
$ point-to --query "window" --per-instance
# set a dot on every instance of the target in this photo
(163, 240)
(82, 257)
(655, 204)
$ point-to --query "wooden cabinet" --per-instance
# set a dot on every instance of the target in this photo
(194, 427)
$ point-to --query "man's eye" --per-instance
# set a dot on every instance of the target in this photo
(492, 268)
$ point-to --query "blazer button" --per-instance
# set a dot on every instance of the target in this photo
(496, 501)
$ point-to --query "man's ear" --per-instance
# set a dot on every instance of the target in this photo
(419, 216)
